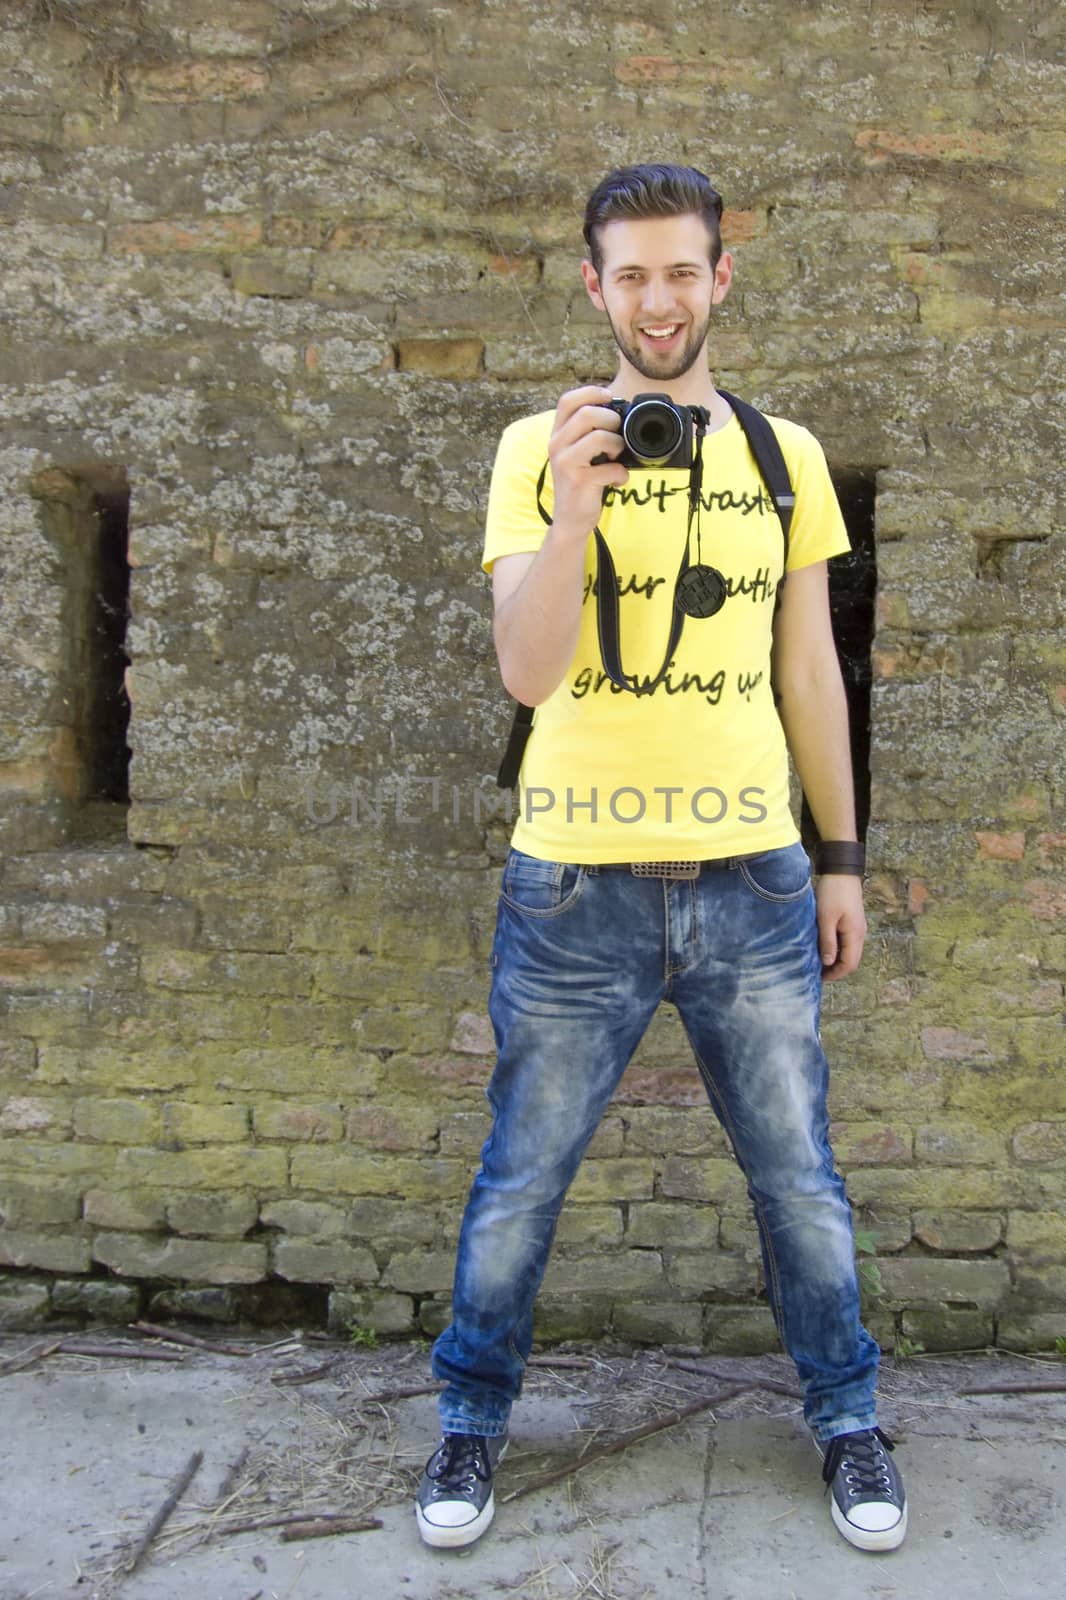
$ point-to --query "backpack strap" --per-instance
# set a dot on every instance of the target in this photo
(763, 444)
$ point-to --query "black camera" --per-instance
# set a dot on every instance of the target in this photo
(656, 432)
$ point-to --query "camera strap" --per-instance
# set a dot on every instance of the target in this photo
(764, 446)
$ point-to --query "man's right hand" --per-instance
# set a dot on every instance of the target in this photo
(583, 428)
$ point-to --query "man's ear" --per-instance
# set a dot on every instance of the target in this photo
(592, 284)
(723, 277)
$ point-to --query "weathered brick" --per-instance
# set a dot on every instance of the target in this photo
(112, 1303)
(719, 1181)
(443, 358)
(124, 1211)
(117, 1121)
(618, 1272)
(390, 1222)
(396, 1127)
(309, 1124)
(27, 1202)
(624, 1178)
(948, 1327)
(331, 1261)
(662, 1222)
(23, 1303)
(1041, 1235)
(329, 1171)
(224, 1167)
(421, 1271)
(136, 1255)
(1040, 1143)
(54, 1252)
(957, 1143)
(584, 1226)
(917, 1280)
(739, 1331)
(961, 1231)
(220, 235)
(701, 1272)
(383, 1312)
(658, 1322)
(313, 1218)
(669, 1130)
(35, 1114)
(866, 1144)
(213, 1216)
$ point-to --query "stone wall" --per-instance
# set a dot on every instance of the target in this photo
(280, 274)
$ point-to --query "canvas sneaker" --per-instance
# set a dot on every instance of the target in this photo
(454, 1503)
(869, 1505)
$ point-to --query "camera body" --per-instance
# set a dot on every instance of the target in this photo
(657, 433)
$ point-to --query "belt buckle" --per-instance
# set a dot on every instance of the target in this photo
(665, 869)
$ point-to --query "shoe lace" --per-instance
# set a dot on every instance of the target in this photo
(460, 1461)
(862, 1460)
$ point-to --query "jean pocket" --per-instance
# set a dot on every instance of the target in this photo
(540, 888)
(778, 875)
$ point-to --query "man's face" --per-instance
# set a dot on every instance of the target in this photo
(657, 287)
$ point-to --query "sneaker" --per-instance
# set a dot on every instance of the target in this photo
(869, 1506)
(454, 1503)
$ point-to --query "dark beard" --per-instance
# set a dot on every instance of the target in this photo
(683, 361)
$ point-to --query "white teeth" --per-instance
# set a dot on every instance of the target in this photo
(661, 333)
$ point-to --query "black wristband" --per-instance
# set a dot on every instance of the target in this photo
(840, 855)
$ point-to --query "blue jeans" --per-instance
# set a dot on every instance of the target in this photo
(581, 958)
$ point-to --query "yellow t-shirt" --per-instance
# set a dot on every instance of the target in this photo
(698, 768)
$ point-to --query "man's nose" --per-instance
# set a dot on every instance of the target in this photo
(658, 296)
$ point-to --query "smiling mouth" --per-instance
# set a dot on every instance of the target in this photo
(662, 334)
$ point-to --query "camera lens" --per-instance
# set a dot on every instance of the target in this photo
(653, 430)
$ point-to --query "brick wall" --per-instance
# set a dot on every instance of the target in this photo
(283, 277)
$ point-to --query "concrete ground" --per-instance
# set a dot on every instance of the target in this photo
(726, 1505)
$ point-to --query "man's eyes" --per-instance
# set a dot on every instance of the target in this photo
(635, 277)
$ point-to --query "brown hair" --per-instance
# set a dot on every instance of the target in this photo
(655, 190)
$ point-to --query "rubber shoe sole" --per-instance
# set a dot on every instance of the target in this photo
(866, 1538)
(441, 1537)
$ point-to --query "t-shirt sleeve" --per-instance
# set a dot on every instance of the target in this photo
(818, 529)
(513, 525)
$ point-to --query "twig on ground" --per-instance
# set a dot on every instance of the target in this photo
(181, 1483)
(310, 1376)
(175, 1336)
(1017, 1388)
(770, 1384)
(127, 1352)
(28, 1357)
(671, 1420)
(321, 1526)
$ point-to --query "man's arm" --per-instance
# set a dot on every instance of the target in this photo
(537, 598)
(814, 715)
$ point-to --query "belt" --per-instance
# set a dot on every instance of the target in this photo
(670, 869)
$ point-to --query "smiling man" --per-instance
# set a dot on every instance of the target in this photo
(655, 856)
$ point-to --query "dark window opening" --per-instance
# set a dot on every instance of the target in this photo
(852, 597)
(86, 515)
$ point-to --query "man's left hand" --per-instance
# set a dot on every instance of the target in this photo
(841, 924)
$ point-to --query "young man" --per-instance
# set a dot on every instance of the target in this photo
(655, 856)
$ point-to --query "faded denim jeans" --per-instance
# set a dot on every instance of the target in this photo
(581, 958)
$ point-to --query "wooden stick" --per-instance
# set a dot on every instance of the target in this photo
(321, 1527)
(579, 1362)
(310, 1376)
(176, 1337)
(281, 1519)
(127, 1352)
(401, 1394)
(182, 1482)
(229, 1482)
(771, 1384)
(1018, 1388)
(28, 1357)
(669, 1421)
